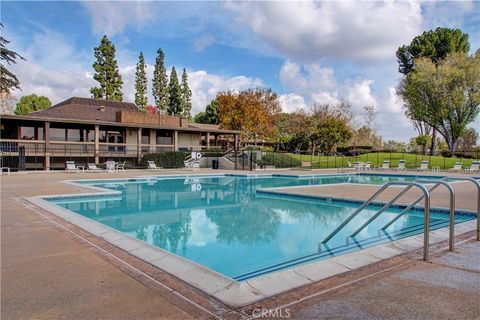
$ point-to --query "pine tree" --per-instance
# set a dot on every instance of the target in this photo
(141, 99)
(106, 72)
(8, 81)
(186, 96)
(175, 93)
(160, 82)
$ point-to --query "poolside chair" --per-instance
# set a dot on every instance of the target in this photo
(385, 165)
(110, 166)
(152, 166)
(92, 167)
(71, 167)
(401, 165)
(423, 166)
(457, 167)
(120, 165)
(357, 165)
(367, 166)
(474, 167)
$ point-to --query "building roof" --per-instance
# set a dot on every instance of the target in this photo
(104, 112)
(86, 109)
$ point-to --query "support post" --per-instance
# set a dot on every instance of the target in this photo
(175, 140)
(46, 132)
(96, 151)
(208, 140)
(139, 145)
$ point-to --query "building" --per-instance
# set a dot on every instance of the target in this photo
(90, 130)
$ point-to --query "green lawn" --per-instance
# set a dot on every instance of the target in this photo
(412, 160)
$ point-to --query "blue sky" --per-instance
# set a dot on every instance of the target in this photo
(308, 52)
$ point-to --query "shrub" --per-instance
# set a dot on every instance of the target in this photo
(446, 153)
(279, 160)
(170, 159)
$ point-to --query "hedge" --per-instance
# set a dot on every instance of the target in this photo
(170, 159)
(279, 160)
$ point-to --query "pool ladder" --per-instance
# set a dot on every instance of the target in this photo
(419, 184)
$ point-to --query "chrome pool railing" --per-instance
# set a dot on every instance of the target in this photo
(426, 197)
(477, 184)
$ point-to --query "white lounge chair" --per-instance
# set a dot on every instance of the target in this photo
(110, 166)
(401, 165)
(457, 167)
(474, 167)
(152, 166)
(71, 167)
(367, 166)
(92, 167)
(385, 165)
(358, 165)
(423, 166)
(120, 165)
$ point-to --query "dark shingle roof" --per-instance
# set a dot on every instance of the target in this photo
(86, 109)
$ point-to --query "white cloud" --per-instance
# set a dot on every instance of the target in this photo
(112, 17)
(205, 86)
(309, 30)
(359, 93)
(203, 42)
(291, 102)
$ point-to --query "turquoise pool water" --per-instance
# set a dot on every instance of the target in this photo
(224, 224)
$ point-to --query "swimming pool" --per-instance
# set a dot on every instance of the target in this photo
(224, 224)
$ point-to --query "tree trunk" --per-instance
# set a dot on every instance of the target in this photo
(432, 144)
(453, 145)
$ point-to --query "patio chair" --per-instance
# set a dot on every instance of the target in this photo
(474, 167)
(401, 165)
(358, 165)
(423, 166)
(457, 167)
(120, 165)
(367, 166)
(110, 166)
(152, 166)
(385, 165)
(71, 167)
(92, 167)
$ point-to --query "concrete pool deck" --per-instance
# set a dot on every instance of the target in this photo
(56, 267)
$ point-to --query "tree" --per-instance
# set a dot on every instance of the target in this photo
(447, 96)
(468, 141)
(210, 115)
(106, 72)
(160, 82)
(31, 103)
(7, 102)
(8, 81)
(367, 135)
(293, 130)
(436, 46)
(331, 132)
(422, 141)
(186, 96)
(251, 111)
(141, 99)
(175, 95)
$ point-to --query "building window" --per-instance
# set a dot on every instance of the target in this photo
(57, 134)
(164, 137)
(145, 136)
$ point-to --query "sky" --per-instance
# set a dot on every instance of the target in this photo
(308, 52)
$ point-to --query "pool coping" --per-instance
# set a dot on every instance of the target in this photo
(227, 290)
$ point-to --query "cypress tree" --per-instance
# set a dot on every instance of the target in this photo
(175, 95)
(186, 96)
(106, 72)
(141, 99)
(160, 82)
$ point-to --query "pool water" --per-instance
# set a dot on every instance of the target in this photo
(224, 224)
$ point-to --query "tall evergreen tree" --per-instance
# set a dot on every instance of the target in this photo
(160, 82)
(141, 99)
(175, 95)
(186, 96)
(8, 81)
(106, 72)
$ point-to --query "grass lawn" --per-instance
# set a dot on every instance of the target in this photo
(412, 160)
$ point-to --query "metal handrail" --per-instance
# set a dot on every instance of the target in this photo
(379, 212)
(477, 184)
(426, 196)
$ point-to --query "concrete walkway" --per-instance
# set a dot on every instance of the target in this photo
(48, 273)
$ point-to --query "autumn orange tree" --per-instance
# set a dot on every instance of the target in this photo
(251, 111)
